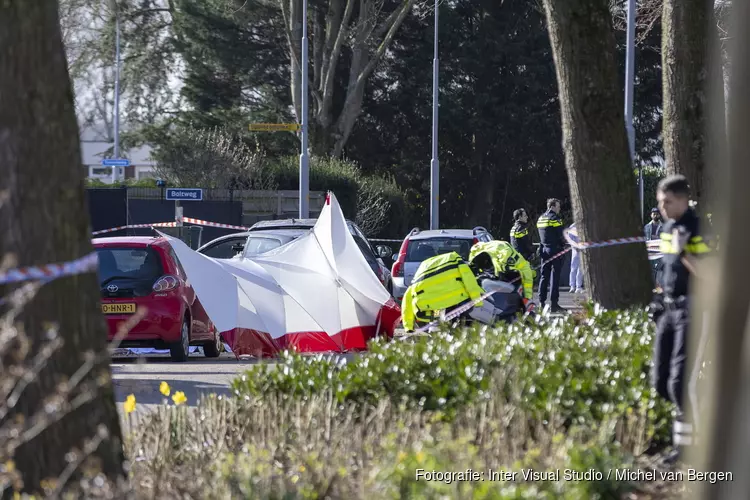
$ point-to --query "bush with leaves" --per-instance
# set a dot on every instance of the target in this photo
(376, 204)
(578, 371)
(210, 158)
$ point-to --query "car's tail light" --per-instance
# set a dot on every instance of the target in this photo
(166, 283)
(476, 240)
(397, 271)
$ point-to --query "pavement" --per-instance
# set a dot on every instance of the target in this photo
(142, 375)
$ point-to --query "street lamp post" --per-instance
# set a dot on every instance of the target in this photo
(115, 173)
(629, 83)
(304, 159)
(434, 164)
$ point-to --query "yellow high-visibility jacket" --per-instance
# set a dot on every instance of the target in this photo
(440, 282)
(505, 258)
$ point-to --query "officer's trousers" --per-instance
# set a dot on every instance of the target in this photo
(551, 271)
(670, 355)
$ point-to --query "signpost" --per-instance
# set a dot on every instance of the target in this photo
(275, 127)
(184, 194)
(115, 162)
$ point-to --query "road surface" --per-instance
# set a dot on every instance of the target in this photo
(141, 376)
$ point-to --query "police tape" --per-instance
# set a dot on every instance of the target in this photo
(135, 226)
(466, 307)
(49, 272)
(652, 246)
(201, 222)
(188, 220)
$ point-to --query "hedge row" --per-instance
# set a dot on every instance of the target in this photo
(576, 371)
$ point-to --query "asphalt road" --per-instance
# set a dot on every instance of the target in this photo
(142, 375)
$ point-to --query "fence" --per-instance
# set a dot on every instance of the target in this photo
(114, 207)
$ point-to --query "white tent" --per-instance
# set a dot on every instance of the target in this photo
(314, 294)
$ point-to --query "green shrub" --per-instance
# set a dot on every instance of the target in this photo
(376, 204)
(577, 371)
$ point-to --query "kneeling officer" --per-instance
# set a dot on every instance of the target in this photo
(441, 282)
(508, 263)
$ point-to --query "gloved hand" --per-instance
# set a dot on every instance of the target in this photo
(529, 306)
(656, 308)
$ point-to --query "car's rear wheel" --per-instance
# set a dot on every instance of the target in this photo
(213, 349)
(179, 351)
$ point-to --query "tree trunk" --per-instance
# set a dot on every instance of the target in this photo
(723, 289)
(686, 37)
(597, 159)
(44, 219)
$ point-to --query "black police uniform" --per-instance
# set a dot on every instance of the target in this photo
(550, 227)
(520, 239)
(672, 325)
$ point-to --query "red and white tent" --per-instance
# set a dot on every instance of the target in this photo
(314, 294)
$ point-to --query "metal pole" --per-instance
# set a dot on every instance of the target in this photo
(434, 164)
(629, 82)
(115, 173)
(304, 160)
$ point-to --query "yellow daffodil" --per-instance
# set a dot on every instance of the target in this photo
(179, 398)
(10, 466)
(302, 468)
(164, 388)
(129, 403)
(295, 478)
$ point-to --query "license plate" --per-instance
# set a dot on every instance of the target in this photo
(118, 308)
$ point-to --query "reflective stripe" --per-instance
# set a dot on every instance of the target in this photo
(684, 427)
(520, 234)
(436, 271)
(682, 440)
(697, 248)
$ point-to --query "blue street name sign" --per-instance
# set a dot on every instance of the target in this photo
(115, 162)
(187, 194)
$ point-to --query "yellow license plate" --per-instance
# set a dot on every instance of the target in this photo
(118, 308)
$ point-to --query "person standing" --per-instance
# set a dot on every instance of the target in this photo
(576, 272)
(681, 244)
(550, 227)
(652, 230)
(520, 238)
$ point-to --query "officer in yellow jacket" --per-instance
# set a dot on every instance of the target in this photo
(441, 282)
(506, 262)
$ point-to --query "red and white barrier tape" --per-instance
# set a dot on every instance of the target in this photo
(49, 272)
(605, 243)
(200, 222)
(135, 226)
(188, 220)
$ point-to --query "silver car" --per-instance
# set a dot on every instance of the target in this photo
(419, 246)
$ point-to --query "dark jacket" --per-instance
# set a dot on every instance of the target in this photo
(550, 227)
(521, 239)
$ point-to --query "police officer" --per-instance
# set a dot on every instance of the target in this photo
(681, 243)
(507, 263)
(520, 238)
(550, 227)
(441, 282)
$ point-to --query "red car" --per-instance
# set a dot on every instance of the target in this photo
(144, 271)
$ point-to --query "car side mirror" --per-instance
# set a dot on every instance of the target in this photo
(384, 251)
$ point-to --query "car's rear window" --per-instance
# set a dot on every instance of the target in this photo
(256, 245)
(420, 250)
(129, 263)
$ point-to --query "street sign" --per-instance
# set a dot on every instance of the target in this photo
(115, 162)
(184, 194)
(275, 127)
